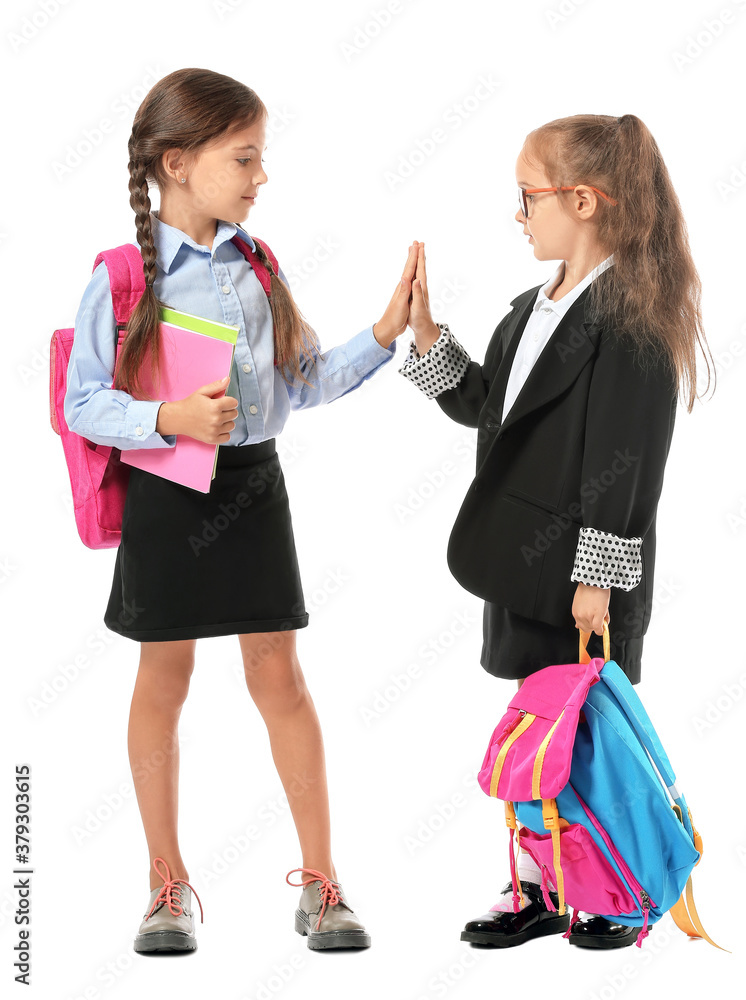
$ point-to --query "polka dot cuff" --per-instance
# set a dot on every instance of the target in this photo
(440, 368)
(606, 560)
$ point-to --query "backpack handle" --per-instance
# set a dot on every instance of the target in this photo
(584, 638)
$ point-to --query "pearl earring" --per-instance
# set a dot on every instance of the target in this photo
(183, 180)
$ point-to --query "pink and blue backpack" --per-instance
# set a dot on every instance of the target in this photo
(579, 765)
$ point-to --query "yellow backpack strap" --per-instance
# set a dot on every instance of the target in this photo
(583, 639)
(690, 925)
(688, 921)
(552, 823)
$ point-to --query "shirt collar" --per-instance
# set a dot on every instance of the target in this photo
(169, 240)
(561, 306)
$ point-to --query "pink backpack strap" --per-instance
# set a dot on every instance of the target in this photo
(126, 278)
(253, 258)
(259, 268)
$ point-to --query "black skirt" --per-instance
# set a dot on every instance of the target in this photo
(192, 564)
(514, 646)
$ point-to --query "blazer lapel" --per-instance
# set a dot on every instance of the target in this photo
(512, 337)
(568, 350)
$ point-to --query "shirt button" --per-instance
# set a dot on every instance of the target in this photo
(226, 289)
(247, 368)
(252, 409)
(138, 430)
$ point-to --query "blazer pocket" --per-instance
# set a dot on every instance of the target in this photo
(533, 503)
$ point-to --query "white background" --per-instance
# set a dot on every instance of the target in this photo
(418, 846)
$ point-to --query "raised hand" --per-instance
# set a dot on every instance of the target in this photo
(394, 320)
(423, 326)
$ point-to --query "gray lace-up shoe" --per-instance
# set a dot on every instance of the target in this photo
(168, 924)
(324, 916)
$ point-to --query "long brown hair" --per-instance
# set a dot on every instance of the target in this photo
(653, 290)
(188, 109)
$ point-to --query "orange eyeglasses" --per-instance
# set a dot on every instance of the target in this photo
(522, 192)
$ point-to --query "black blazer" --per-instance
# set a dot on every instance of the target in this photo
(584, 444)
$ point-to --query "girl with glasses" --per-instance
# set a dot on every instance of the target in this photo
(575, 405)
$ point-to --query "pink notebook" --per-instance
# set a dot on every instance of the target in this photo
(194, 351)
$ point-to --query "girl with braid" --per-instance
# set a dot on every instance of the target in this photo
(199, 136)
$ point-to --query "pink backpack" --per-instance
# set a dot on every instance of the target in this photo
(98, 479)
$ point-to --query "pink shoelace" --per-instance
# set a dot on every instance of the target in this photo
(330, 892)
(171, 889)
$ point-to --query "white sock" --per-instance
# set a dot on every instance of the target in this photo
(526, 871)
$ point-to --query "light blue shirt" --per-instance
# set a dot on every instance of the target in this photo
(218, 284)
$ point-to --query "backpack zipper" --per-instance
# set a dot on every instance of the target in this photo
(642, 896)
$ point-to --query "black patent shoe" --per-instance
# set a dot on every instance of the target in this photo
(501, 929)
(592, 931)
